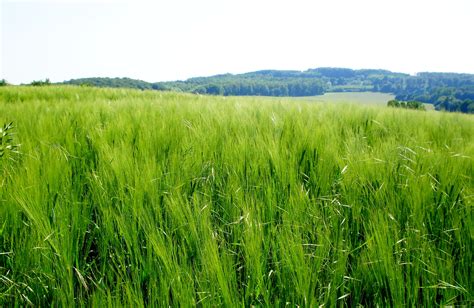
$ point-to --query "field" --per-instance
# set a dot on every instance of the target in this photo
(364, 98)
(370, 98)
(131, 198)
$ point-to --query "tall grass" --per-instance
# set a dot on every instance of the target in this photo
(145, 198)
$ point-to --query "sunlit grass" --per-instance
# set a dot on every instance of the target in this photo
(124, 197)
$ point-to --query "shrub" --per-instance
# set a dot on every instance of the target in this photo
(407, 105)
(39, 83)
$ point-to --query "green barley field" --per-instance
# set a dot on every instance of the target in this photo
(135, 198)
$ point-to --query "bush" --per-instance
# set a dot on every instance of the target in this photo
(40, 83)
(393, 103)
(407, 105)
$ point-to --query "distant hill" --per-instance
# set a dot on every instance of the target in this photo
(446, 91)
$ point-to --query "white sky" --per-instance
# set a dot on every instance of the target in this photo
(177, 39)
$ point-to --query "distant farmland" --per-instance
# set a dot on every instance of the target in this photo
(364, 98)
(373, 98)
(145, 198)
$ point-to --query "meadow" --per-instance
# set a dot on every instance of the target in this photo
(365, 98)
(140, 198)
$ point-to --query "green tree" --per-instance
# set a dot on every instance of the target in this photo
(393, 103)
(39, 83)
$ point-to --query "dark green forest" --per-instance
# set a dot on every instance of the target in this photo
(446, 91)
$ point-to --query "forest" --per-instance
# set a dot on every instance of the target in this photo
(446, 91)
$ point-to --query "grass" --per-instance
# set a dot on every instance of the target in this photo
(366, 98)
(123, 197)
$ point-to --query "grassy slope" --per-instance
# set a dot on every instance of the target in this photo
(365, 98)
(132, 198)
(372, 98)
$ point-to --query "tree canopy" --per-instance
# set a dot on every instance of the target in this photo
(446, 91)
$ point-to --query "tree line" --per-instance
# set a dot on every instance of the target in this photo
(446, 91)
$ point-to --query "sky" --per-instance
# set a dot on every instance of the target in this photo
(178, 39)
